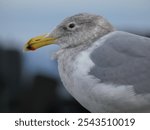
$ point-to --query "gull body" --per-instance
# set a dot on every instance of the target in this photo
(103, 69)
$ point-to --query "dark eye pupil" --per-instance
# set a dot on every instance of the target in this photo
(72, 25)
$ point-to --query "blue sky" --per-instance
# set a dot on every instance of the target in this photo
(23, 19)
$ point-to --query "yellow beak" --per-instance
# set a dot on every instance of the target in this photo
(38, 42)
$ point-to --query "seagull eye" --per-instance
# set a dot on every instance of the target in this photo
(71, 25)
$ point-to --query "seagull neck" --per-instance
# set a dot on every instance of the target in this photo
(73, 50)
(82, 46)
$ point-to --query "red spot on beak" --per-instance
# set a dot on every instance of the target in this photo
(30, 48)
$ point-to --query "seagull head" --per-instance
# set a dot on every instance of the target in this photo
(73, 31)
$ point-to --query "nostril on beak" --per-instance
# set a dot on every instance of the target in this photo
(37, 40)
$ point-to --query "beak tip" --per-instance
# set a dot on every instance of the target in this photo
(28, 48)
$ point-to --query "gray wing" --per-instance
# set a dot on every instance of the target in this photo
(123, 59)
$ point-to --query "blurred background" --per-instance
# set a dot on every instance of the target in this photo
(29, 82)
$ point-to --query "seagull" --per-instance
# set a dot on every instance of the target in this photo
(105, 70)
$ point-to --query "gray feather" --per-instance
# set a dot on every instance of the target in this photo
(123, 59)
